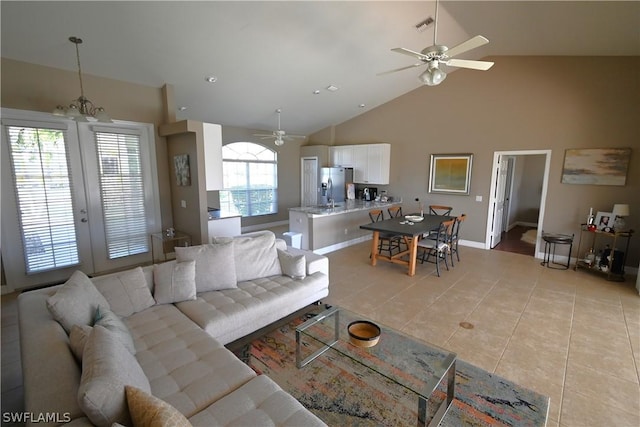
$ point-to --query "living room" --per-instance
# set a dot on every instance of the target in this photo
(523, 103)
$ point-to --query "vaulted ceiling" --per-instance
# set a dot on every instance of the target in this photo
(268, 55)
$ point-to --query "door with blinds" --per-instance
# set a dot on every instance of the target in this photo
(82, 197)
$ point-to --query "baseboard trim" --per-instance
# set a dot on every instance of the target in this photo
(341, 245)
(258, 227)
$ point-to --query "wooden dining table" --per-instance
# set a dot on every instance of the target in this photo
(411, 231)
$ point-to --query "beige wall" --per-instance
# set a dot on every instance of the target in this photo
(522, 103)
(32, 87)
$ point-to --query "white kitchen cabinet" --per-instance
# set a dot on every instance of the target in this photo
(212, 135)
(370, 162)
(224, 227)
(342, 155)
(378, 163)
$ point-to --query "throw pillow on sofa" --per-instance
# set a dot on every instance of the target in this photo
(294, 266)
(106, 369)
(149, 411)
(127, 291)
(215, 266)
(255, 255)
(109, 320)
(174, 281)
(76, 302)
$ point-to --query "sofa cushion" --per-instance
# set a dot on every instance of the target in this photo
(174, 281)
(76, 302)
(127, 291)
(255, 255)
(185, 366)
(78, 339)
(149, 411)
(260, 402)
(109, 320)
(106, 369)
(294, 266)
(215, 265)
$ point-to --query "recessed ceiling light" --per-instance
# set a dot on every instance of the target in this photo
(211, 79)
(332, 88)
(361, 105)
(182, 108)
(316, 92)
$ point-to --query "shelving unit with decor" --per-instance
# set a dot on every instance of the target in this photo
(613, 267)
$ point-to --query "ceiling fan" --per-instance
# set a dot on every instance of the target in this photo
(279, 135)
(435, 55)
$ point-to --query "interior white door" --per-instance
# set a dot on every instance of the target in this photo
(501, 172)
(309, 183)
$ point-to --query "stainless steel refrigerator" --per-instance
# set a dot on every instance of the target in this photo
(333, 184)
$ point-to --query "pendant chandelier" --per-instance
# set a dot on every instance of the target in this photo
(81, 108)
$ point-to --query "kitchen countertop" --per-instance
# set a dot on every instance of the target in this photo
(343, 207)
(220, 214)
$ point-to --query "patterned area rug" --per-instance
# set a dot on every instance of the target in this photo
(344, 393)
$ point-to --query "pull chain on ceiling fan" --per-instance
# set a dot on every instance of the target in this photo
(436, 54)
(279, 135)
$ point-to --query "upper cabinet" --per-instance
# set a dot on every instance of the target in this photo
(370, 162)
(212, 135)
(342, 155)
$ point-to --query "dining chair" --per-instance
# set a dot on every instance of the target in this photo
(395, 211)
(453, 243)
(440, 210)
(387, 242)
(438, 248)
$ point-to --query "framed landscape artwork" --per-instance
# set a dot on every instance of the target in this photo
(596, 166)
(450, 173)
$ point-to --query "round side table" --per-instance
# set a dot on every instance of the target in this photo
(550, 242)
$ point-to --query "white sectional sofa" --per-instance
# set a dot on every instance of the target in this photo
(159, 331)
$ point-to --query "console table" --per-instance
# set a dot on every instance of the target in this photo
(613, 267)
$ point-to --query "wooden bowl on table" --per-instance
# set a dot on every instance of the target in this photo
(363, 333)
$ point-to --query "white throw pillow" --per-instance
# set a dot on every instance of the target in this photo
(109, 320)
(174, 281)
(127, 292)
(215, 266)
(106, 369)
(78, 339)
(294, 266)
(76, 302)
(255, 256)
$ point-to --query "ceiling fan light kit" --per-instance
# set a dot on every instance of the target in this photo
(82, 107)
(436, 54)
(278, 135)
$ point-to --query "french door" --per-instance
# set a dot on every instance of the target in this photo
(75, 196)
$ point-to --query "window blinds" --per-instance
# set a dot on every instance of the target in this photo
(122, 192)
(43, 194)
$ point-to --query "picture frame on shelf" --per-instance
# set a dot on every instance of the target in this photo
(450, 173)
(604, 221)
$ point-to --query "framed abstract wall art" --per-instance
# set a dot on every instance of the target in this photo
(450, 173)
(182, 169)
(596, 166)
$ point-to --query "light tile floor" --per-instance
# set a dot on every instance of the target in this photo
(569, 335)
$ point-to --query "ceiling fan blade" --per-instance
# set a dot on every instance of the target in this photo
(293, 136)
(410, 53)
(467, 63)
(264, 135)
(400, 69)
(472, 43)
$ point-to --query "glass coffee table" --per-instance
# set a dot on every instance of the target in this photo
(414, 365)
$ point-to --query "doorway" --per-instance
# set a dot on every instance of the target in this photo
(309, 184)
(517, 200)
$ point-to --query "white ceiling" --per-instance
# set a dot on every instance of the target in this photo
(269, 55)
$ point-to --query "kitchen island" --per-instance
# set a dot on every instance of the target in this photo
(325, 228)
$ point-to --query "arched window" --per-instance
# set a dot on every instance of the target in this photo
(250, 179)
